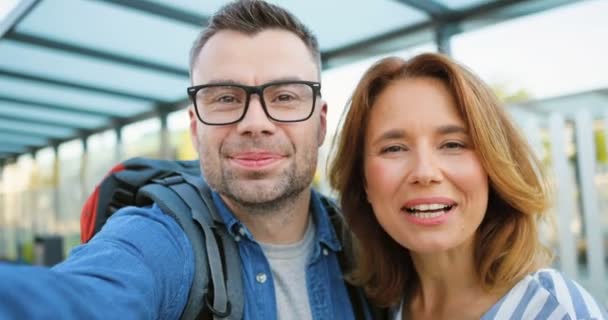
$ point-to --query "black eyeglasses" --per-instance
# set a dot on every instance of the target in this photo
(227, 103)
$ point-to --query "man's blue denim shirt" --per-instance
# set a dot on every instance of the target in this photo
(141, 266)
(324, 280)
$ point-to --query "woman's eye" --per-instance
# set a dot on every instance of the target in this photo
(453, 145)
(391, 149)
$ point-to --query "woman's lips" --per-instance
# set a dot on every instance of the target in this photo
(429, 211)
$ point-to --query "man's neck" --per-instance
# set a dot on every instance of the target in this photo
(284, 223)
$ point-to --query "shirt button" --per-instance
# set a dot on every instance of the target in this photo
(242, 231)
(325, 252)
(260, 277)
(237, 238)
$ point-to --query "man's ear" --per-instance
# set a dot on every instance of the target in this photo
(323, 122)
(193, 127)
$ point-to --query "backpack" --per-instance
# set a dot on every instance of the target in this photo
(179, 190)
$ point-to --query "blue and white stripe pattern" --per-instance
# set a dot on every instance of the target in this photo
(545, 295)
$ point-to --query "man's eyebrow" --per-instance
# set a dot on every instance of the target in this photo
(290, 78)
(222, 81)
(230, 81)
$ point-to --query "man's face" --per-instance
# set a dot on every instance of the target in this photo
(257, 161)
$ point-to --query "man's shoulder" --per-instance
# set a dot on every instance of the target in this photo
(142, 223)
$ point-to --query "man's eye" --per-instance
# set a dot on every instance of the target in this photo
(227, 99)
(284, 97)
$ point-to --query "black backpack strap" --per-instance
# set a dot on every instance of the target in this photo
(217, 263)
(172, 205)
(220, 306)
(230, 250)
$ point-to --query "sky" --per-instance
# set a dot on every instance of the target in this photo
(6, 6)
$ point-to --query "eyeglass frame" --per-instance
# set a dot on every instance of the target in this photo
(259, 90)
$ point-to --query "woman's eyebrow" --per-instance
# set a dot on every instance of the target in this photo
(451, 128)
(391, 135)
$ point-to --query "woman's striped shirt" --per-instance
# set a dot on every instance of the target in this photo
(544, 294)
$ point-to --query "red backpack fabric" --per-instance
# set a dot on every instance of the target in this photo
(88, 215)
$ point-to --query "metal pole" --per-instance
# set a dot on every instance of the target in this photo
(565, 206)
(586, 166)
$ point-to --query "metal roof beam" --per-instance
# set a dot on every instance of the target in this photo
(161, 10)
(36, 122)
(78, 86)
(83, 133)
(55, 107)
(366, 43)
(25, 134)
(432, 8)
(21, 127)
(23, 147)
(94, 53)
(13, 148)
(22, 139)
(483, 9)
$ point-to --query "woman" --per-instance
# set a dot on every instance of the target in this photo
(443, 195)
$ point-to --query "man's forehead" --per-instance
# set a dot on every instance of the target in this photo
(253, 59)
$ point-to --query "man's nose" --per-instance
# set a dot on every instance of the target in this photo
(255, 120)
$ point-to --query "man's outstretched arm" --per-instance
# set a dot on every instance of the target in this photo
(139, 266)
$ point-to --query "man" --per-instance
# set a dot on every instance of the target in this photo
(257, 121)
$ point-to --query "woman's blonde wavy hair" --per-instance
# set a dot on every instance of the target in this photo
(507, 246)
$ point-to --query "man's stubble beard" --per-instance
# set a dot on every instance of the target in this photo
(287, 185)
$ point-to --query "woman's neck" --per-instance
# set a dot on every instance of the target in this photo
(448, 286)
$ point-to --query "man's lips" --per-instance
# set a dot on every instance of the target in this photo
(256, 159)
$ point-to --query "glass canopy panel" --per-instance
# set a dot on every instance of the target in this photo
(7, 137)
(365, 19)
(50, 116)
(338, 23)
(14, 148)
(462, 4)
(206, 8)
(112, 28)
(71, 98)
(74, 68)
(45, 130)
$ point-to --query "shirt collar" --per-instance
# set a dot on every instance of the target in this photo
(234, 226)
(325, 232)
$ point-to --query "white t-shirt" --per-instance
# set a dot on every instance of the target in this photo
(288, 266)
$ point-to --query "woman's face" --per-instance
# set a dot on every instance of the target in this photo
(424, 180)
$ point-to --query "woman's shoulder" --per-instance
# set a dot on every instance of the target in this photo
(549, 294)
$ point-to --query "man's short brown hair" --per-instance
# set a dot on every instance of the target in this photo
(251, 17)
